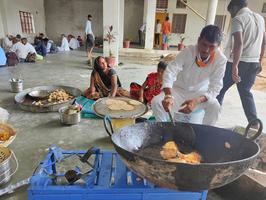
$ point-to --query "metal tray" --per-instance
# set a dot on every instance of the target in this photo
(28, 106)
(100, 108)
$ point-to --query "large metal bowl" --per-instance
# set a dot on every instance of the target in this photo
(39, 94)
(20, 97)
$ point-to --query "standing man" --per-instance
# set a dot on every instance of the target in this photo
(142, 30)
(166, 30)
(158, 28)
(194, 79)
(89, 40)
(244, 54)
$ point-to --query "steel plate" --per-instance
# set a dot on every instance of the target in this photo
(101, 109)
(28, 106)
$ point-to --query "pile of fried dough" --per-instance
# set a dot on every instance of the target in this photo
(57, 96)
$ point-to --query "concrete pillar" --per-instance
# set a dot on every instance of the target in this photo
(150, 23)
(121, 23)
(211, 13)
(145, 11)
(3, 19)
(111, 10)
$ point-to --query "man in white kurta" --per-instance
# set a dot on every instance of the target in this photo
(22, 49)
(64, 44)
(194, 79)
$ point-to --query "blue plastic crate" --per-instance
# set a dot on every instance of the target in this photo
(109, 179)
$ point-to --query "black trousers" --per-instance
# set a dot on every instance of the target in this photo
(157, 38)
(247, 72)
(141, 38)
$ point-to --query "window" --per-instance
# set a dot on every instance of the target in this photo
(264, 8)
(179, 4)
(27, 23)
(179, 23)
(162, 4)
(220, 21)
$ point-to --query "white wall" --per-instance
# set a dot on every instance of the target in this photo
(133, 18)
(11, 20)
(70, 16)
(2, 33)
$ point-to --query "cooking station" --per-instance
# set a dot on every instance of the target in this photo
(105, 177)
(128, 174)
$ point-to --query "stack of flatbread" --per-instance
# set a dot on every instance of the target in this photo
(117, 105)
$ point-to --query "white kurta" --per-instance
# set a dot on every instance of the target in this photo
(188, 81)
(73, 43)
(64, 45)
(22, 50)
(7, 44)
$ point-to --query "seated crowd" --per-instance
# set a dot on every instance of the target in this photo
(18, 48)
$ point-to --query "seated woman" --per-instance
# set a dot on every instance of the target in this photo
(104, 82)
(151, 87)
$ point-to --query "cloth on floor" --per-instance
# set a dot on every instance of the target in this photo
(87, 111)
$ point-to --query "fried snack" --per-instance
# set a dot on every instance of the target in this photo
(171, 153)
(4, 135)
(191, 158)
(227, 145)
(57, 96)
(6, 132)
(169, 150)
(60, 96)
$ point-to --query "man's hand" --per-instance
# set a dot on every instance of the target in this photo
(168, 103)
(188, 106)
(235, 76)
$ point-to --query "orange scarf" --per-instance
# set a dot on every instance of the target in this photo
(209, 60)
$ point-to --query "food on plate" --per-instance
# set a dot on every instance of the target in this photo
(134, 102)
(171, 153)
(117, 105)
(109, 102)
(127, 107)
(57, 96)
(6, 132)
(4, 135)
(114, 107)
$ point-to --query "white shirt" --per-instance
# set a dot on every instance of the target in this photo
(252, 27)
(158, 28)
(183, 73)
(143, 27)
(88, 29)
(22, 50)
(7, 44)
(73, 43)
(64, 45)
